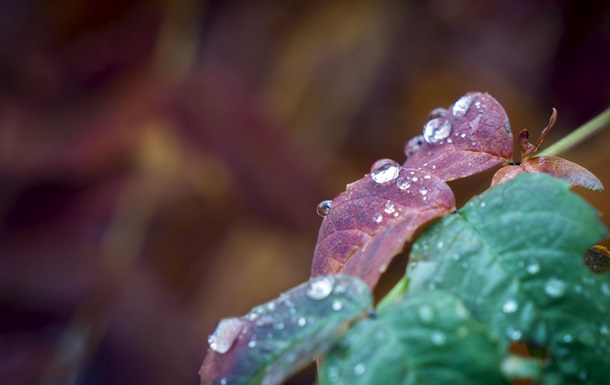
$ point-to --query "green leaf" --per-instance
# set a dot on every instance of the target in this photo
(280, 337)
(514, 256)
(425, 339)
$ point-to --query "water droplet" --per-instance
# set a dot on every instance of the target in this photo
(437, 113)
(567, 338)
(425, 313)
(413, 145)
(605, 288)
(436, 130)
(463, 135)
(414, 179)
(440, 245)
(359, 369)
(483, 204)
(385, 170)
(423, 191)
(301, 321)
(252, 344)
(403, 183)
(271, 306)
(389, 207)
(337, 305)
(320, 287)
(377, 218)
(533, 268)
(455, 257)
(324, 208)
(603, 329)
(513, 334)
(555, 287)
(438, 338)
(427, 177)
(510, 306)
(223, 381)
(461, 107)
(225, 334)
(279, 326)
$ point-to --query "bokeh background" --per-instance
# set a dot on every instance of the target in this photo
(161, 161)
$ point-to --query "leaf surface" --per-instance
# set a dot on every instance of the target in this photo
(369, 223)
(472, 136)
(280, 337)
(572, 173)
(425, 339)
(514, 256)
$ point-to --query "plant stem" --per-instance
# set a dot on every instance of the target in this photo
(397, 291)
(580, 134)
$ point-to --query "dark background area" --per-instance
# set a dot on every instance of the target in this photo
(160, 162)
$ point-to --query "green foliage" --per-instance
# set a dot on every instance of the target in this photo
(507, 268)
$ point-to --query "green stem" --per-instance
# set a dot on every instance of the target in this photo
(397, 291)
(580, 134)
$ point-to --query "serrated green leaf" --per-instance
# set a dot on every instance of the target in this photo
(425, 339)
(278, 338)
(514, 256)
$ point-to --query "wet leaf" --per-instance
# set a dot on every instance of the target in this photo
(429, 338)
(514, 256)
(367, 225)
(557, 167)
(280, 337)
(597, 259)
(472, 136)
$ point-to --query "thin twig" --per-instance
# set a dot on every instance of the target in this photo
(580, 134)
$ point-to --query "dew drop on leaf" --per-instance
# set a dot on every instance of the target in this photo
(555, 287)
(533, 268)
(385, 170)
(389, 207)
(461, 107)
(225, 334)
(436, 130)
(337, 305)
(359, 369)
(510, 306)
(413, 145)
(377, 218)
(321, 287)
(438, 338)
(425, 313)
(323, 208)
(301, 321)
(403, 183)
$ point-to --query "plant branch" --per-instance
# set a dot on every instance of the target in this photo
(583, 132)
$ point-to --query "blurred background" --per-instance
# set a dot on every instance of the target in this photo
(161, 161)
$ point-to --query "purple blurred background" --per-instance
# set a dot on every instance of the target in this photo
(160, 162)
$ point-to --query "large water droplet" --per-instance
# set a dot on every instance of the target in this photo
(324, 208)
(413, 145)
(436, 130)
(461, 107)
(225, 334)
(438, 338)
(555, 287)
(385, 170)
(510, 306)
(320, 287)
